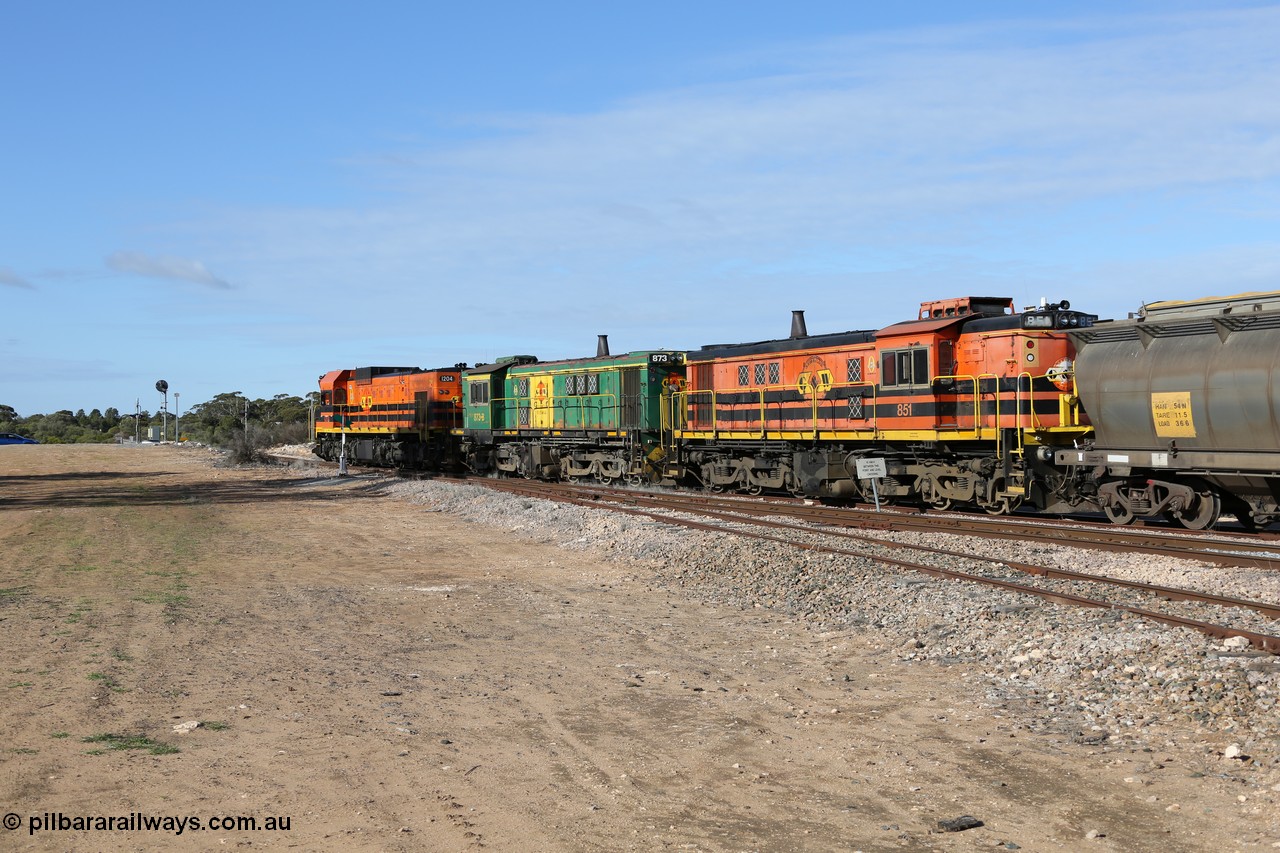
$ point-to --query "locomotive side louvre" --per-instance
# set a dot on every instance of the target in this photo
(776, 389)
(396, 416)
(595, 417)
(1186, 398)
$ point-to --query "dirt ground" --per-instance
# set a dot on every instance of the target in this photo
(389, 678)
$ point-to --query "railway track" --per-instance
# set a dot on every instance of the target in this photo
(1239, 550)
(834, 531)
(804, 522)
(1253, 550)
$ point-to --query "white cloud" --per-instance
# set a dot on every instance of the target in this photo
(858, 173)
(9, 278)
(937, 125)
(174, 269)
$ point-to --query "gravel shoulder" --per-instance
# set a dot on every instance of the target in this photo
(423, 666)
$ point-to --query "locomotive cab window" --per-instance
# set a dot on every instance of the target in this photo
(904, 367)
(479, 392)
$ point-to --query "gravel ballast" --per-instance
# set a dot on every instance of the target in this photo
(1099, 677)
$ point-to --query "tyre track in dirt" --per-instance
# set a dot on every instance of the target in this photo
(397, 679)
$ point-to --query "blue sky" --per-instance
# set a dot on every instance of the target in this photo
(240, 197)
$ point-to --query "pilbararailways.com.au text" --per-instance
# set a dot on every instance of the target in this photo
(142, 822)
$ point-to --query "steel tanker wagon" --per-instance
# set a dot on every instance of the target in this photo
(1185, 403)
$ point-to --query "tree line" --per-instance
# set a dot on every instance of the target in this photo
(228, 420)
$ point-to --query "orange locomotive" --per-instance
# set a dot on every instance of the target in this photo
(392, 416)
(963, 405)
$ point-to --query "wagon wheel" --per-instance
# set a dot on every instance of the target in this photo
(1207, 510)
(1000, 507)
(1118, 514)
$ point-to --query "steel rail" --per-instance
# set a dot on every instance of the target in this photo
(1171, 593)
(1216, 551)
(1264, 642)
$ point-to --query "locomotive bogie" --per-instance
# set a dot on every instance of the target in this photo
(743, 469)
(388, 451)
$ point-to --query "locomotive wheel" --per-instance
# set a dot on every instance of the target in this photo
(1207, 510)
(753, 490)
(1118, 514)
(942, 504)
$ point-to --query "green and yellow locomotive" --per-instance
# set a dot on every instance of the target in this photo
(600, 418)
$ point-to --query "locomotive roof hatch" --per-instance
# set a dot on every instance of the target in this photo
(501, 364)
(365, 374)
(918, 327)
(966, 306)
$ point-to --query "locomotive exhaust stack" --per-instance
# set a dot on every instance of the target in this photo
(798, 329)
(602, 346)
